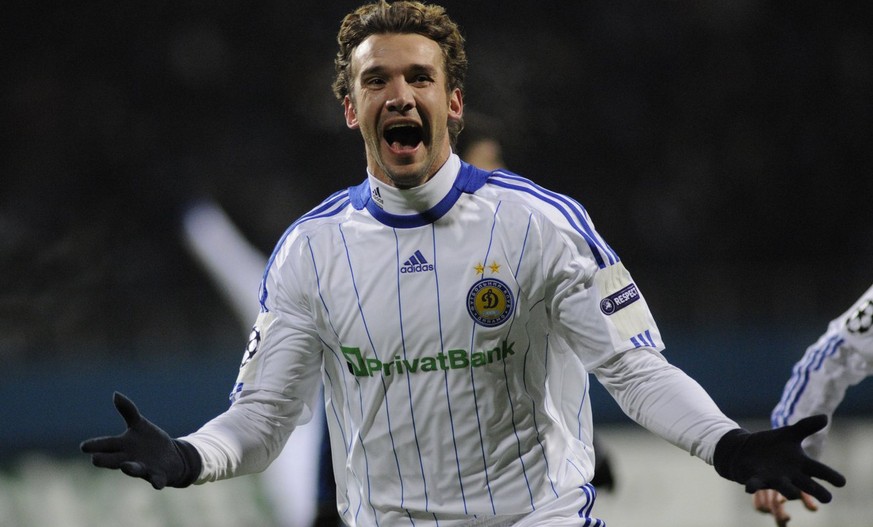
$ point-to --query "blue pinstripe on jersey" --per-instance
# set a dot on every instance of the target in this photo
(446, 376)
(405, 356)
(795, 387)
(437, 288)
(579, 422)
(382, 378)
(506, 379)
(534, 412)
(336, 417)
(473, 376)
(361, 401)
(346, 440)
(517, 438)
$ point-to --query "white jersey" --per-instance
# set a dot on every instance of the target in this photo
(453, 327)
(841, 357)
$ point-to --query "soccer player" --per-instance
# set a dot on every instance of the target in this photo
(841, 357)
(450, 314)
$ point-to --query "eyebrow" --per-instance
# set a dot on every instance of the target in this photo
(414, 68)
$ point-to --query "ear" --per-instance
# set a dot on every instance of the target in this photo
(350, 113)
(456, 105)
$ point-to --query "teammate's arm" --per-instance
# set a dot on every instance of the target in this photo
(770, 501)
(840, 358)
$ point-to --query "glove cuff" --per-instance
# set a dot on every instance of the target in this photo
(726, 451)
(192, 462)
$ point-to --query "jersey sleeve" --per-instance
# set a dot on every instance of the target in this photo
(284, 351)
(277, 383)
(596, 305)
(665, 400)
(840, 358)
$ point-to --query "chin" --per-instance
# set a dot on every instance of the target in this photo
(407, 179)
(411, 174)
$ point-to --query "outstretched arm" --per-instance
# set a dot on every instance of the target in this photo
(669, 403)
(145, 451)
(243, 440)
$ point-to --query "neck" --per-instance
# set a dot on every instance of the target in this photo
(419, 198)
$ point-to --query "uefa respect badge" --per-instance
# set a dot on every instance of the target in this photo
(620, 299)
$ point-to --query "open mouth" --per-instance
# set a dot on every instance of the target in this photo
(403, 136)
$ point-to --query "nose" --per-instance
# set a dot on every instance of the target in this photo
(401, 99)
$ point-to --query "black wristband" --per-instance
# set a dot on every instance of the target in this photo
(726, 450)
(193, 464)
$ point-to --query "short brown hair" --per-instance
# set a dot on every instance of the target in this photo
(402, 17)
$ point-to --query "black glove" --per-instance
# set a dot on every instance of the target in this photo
(145, 451)
(774, 459)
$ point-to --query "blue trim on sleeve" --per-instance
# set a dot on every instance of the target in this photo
(811, 362)
(573, 211)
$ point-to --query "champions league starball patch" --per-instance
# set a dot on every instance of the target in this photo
(862, 319)
(490, 302)
(252, 346)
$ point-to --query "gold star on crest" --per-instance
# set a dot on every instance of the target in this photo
(495, 267)
(479, 268)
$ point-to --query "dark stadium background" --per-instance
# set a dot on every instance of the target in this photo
(723, 149)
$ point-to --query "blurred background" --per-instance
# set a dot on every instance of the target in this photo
(722, 149)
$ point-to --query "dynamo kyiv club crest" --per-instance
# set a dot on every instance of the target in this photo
(490, 302)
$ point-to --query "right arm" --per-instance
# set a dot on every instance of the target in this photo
(277, 382)
(275, 391)
(247, 437)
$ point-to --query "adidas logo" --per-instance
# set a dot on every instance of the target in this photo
(377, 197)
(416, 263)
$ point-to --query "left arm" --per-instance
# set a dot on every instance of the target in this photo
(665, 400)
(595, 305)
(669, 403)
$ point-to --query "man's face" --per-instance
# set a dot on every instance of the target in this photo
(400, 104)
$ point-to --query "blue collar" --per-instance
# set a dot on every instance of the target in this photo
(469, 180)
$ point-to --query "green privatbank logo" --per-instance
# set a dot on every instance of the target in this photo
(454, 359)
